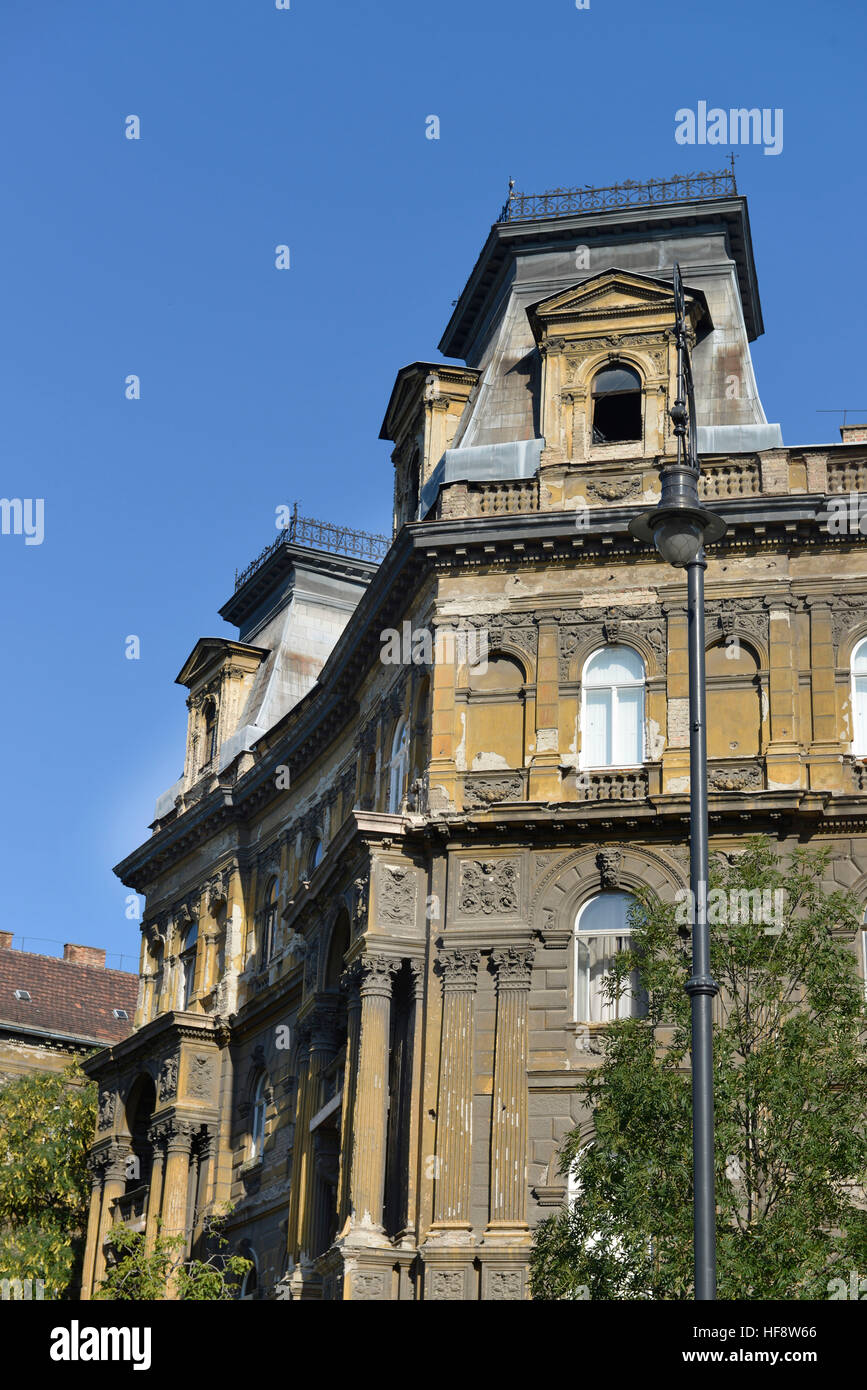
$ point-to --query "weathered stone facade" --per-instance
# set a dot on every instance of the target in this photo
(357, 1016)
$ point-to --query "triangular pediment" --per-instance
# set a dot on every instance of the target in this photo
(210, 652)
(611, 293)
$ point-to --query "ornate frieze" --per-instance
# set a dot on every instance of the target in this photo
(488, 887)
(512, 629)
(397, 895)
(360, 889)
(846, 611)
(201, 1077)
(168, 1083)
(107, 1106)
(614, 489)
(481, 792)
(579, 627)
(734, 779)
(724, 617)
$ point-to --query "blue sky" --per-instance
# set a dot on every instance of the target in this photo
(306, 127)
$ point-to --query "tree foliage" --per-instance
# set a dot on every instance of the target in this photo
(47, 1121)
(140, 1274)
(790, 1089)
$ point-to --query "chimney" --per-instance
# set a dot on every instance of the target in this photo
(5, 940)
(84, 955)
(853, 434)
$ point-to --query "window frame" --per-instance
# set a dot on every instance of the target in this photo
(585, 992)
(859, 745)
(398, 768)
(258, 1119)
(613, 688)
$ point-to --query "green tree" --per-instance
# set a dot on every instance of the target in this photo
(790, 1087)
(47, 1121)
(141, 1275)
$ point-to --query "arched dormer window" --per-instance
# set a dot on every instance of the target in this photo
(859, 700)
(209, 731)
(398, 767)
(188, 964)
(616, 404)
(601, 933)
(612, 709)
(269, 922)
(258, 1117)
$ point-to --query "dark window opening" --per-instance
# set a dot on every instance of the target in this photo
(616, 405)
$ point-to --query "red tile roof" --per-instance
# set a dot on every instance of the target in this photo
(66, 999)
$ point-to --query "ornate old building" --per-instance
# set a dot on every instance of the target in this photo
(419, 787)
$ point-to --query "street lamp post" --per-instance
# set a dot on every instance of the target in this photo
(679, 527)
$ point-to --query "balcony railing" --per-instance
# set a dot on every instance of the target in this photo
(320, 535)
(560, 202)
(131, 1209)
(605, 785)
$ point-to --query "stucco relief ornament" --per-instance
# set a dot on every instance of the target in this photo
(734, 779)
(200, 1077)
(217, 892)
(613, 489)
(311, 966)
(107, 1103)
(514, 966)
(608, 864)
(398, 893)
(359, 904)
(480, 792)
(168, 1087)
(488, 886)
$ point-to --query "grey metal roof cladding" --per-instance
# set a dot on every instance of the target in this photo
(738, 439)
(480, 464)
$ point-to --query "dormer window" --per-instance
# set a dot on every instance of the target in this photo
(616, 405)
(209, 741)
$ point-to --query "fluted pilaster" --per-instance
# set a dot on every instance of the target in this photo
(371, 1104)
(509, 1123)
(459, 970)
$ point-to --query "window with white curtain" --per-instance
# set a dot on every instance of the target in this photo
(859, 699)
(258, 1112)
(612, 709)
(188, 965)
(398, 767)
(601, 933)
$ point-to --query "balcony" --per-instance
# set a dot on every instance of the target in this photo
(131, 1209)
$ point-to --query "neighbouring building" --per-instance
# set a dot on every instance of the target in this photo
(420, 786)
(55, 1010)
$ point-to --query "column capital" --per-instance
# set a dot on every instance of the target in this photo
(459, 969)
(377, 974)
(514, 966)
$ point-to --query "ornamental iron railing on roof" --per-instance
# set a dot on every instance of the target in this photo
(559, 202)
(319, 535)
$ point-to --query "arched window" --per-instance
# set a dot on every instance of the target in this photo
(209, 742)
(601, 933)
(269, 922)
(250, 1282)
(616, 405)
(859, 699)
(188, 964)
(398, 767)
(612, 709)
(258, 1113)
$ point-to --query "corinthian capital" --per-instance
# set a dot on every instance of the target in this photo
(377, 973)
(459, 969)
(514, 967)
